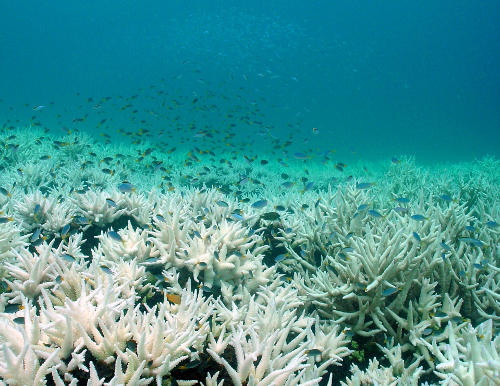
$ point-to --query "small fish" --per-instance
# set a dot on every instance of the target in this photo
(115, 236)
(38, 108)
(222, 204)
(445, 246)
(280, 257)
(478, 266)
(270, 216)
(206, 289)
(19, 320)
(4, 220)
(313, 352)
(374, 213)
(287, 184)
(401, 210)
(160, 218)
(308, 186)
(81, 220)
(12, 308)
(402, 200)
(492, 224)
(394, 160)
(362, 207)
(111, 203)
(173, 298)
(417, 237)
(126, 187)
(440, 314)
(35, 235)
(472, 241)
(237, 217)
(203, 264)
(301, 156)
(470, 228)
(347, 249)
(68, 257)
(389, 291)
(108, 171)
(364, 185)
(418, 217)
(446, 197)
(65, 230)
(259, 204)
(4, 191)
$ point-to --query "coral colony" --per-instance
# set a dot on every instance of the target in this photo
(112, 277)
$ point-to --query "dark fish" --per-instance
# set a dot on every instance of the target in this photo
(418, 217)
(159, 217)
(417, 237)
(270, 216)
(12, 308)
(110, 202)
(313, 352)
(222, 204)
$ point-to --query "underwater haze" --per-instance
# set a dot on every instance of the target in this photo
(375, 79)
(249, 193)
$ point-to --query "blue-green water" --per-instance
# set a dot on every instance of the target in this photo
(375, 80)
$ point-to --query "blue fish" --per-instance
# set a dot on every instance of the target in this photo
(115, 236)
(492, 224)
(259, 204)
(300, 155)
(281, 257)
(418, 217)
(237, 217)
(445, 246)
(417, 237)
(126, 187)
(374, 213)
(67, 257)
(364, 185)
(111, 203)
(472, 241)
(389, 291)
(401, 210)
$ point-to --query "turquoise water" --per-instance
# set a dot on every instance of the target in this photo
(375, 80)
(181, 183)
